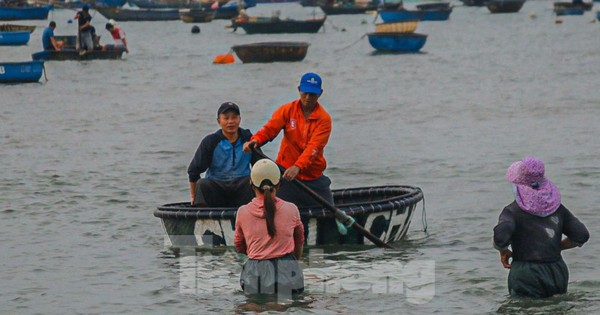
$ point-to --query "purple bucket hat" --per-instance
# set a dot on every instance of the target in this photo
(535, 194)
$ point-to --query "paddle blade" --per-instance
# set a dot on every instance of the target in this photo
(224, 59)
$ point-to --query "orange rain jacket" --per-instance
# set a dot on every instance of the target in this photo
(303, 139)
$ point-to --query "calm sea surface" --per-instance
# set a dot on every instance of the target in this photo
(87, 156)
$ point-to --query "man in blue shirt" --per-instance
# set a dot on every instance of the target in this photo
(48, 40)
(227, 166)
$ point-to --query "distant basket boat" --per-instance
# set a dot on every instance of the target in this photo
(271, 51)
(16, 27)
(397, 42)
(397, 27)
(21, 72)
(504, 6)
(569, 11)
(15, 38)
(119, 14)
(197, 15)
(384, 211)
(24, 13)
(269, 25)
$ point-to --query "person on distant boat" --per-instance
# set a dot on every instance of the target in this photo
(118, 36)
(533, 226)
(306, 129)
(84, 19)
(269, 230)
(48, 40)
(227, 167)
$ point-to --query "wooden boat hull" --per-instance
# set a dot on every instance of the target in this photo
(562, 6)
(271, 52)
(473, 3)
(504, 6)
(385, 211)
(397, 42)
(434, 6)
(74, 55)
(118, 14)
(197, 15)
(15, 38)
(280, 26)
(16, 28)
(336, 10)
(24, 13)
(21, 72)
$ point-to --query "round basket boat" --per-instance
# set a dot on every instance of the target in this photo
(405, 27)
(271, 51)
(385, 211)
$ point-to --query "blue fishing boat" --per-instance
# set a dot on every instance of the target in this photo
(397, 42)
(24, 13)
(14, 38)
(384, 211)
(569, 11)
(71, 53)
(389, 16)
(21, 72)
(435, 14)
(598, 15)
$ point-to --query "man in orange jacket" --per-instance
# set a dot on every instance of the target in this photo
(306, 128)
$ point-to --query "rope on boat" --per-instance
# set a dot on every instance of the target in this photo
(358, 40)
(424, 216)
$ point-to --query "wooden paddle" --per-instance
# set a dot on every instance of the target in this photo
(339, 214)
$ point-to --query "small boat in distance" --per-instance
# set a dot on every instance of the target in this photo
(504, 6)
(271, 51)
(348, 8)
(197, 15)
(14, 38)
(24, 13)
(397, 42)
(70, 53)
(268, 25)
(119, 14)
(21, 72)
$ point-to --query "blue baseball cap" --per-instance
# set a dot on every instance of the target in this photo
(310, 83)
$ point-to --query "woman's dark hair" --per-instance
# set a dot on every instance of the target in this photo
(109, 26)
(269, 203)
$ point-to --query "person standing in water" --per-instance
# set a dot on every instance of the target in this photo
(534, 225)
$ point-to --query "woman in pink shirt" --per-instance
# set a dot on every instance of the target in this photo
(270, 232)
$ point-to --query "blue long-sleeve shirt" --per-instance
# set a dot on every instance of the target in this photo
(220, 159)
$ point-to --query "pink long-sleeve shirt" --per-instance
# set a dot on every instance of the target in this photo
(252, 238)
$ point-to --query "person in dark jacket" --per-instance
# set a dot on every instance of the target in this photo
(534, 225)
(227, 167)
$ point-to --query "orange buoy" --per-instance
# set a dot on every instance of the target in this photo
(224, 59)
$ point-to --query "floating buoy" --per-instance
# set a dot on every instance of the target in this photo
(224, 59)
(532, 15)
(558, 21)
(69, 21)
(195, 29)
